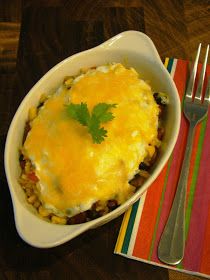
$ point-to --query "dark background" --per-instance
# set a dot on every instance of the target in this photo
(34, 36)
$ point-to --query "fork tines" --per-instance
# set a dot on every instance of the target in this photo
(190, 88)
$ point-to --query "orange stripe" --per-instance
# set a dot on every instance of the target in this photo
(149, 216)
(180, 77)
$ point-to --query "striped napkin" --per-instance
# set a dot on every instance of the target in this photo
(143, 223)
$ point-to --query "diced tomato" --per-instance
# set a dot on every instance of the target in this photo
(32, 176)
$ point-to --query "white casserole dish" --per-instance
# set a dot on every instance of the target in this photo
(131, 48)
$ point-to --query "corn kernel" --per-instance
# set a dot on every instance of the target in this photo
(36, 204)
(32, 199)
(27, 167)
(151, 150)
(68, 82)
(32, 113)
(58, 220)
(43, 211)
(23, 176)
(22, 182)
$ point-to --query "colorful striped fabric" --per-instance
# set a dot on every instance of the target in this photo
(143, 223)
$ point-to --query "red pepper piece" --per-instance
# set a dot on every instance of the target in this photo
(32, 176)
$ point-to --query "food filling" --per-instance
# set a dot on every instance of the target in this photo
(88, 146)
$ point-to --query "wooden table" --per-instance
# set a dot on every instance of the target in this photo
(34, 36)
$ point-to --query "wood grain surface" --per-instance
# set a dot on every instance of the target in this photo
(34, 36)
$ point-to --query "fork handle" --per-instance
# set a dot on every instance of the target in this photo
(172, 242)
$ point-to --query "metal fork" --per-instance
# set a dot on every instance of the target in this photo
(172, 243)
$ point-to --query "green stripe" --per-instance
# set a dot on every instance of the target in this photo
(170, 64)
(130, 227)
(169, 67)
(160, 208)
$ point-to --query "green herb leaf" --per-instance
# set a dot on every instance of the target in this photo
(100, 114)
(98, 133)
(79, 112)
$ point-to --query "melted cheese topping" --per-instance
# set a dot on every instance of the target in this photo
(74, 172)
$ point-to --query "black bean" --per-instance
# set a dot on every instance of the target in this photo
(158, 99)
(112, 204)
(143, 166)
(137, 181)
(92, 214)
(78, 219)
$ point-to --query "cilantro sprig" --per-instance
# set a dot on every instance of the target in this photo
(100, 114)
